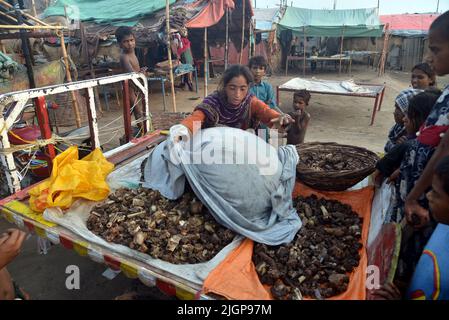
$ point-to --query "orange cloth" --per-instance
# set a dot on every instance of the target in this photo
(258, 108)
(236, 278)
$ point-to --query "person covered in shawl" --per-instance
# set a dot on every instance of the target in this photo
(232, 105)
(397, 134)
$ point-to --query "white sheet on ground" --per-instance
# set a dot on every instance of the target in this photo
(328, 86)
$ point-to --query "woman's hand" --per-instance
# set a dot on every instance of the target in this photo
(282, 121)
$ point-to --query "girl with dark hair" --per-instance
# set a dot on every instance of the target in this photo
(232, 105)
(423, 76)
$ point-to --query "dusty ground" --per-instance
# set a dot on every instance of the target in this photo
(334, 118)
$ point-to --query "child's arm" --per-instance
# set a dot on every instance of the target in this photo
(271, 99)
(424, 182)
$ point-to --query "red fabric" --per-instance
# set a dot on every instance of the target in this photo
(211, 14)
(431, 135)
(185, 46)
(408, 21)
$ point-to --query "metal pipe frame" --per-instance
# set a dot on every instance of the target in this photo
(20, 98)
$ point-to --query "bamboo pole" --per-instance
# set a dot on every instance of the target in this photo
(8, 16)
(227, 39)
(304, 60)
(29, 16)
(170, 62)
(206, 63)
(243, 30)
(341, 48)
(33, 6)
(27, 27)
(69, 79)
(382, 59)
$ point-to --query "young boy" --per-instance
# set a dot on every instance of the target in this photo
(297, 131)
(433, 137)
(260, 88)
(430, 280)
(129, 62)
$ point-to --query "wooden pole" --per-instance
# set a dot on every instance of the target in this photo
(26, 27)
(69, 79)
(227, 39)
(243, 31)
(341, 48)
(33, 6)
(304, 59)
(26, 50)
(206, 63)
(170, 63)
(382, 59)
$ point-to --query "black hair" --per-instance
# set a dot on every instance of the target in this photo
(235, 71)
(304, 94)
(123, 32)
(258, 61)
(442, 24)
(420, 106)
(427, 69)
(442, 172)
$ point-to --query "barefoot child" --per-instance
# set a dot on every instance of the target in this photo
(297, 131)
(129, 62)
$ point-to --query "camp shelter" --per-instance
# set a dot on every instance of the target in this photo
(333, 24)
(408, 43)
(265, 21)
(223, 20)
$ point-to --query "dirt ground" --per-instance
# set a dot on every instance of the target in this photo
(334, 118)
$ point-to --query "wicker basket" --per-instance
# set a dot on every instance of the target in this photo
(164, 120)
(335, 180)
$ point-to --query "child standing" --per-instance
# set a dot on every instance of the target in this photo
(418, 110)
(262, 89)
(423, 77)
(297, 131)
(397, 132)
(129, 62)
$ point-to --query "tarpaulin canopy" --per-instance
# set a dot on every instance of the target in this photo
(408, 24)
(265, 17)
(105, 11)
(332, 23)
(211, 14)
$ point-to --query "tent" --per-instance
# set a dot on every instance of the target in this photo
(116, 12)
(408, 25)
(331, 23)
(408, 43)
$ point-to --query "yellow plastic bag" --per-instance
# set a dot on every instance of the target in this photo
(71, 179)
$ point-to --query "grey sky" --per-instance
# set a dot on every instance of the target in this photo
(386, 6)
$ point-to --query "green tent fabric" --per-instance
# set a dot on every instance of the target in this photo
(116, 12)
(331, 23)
